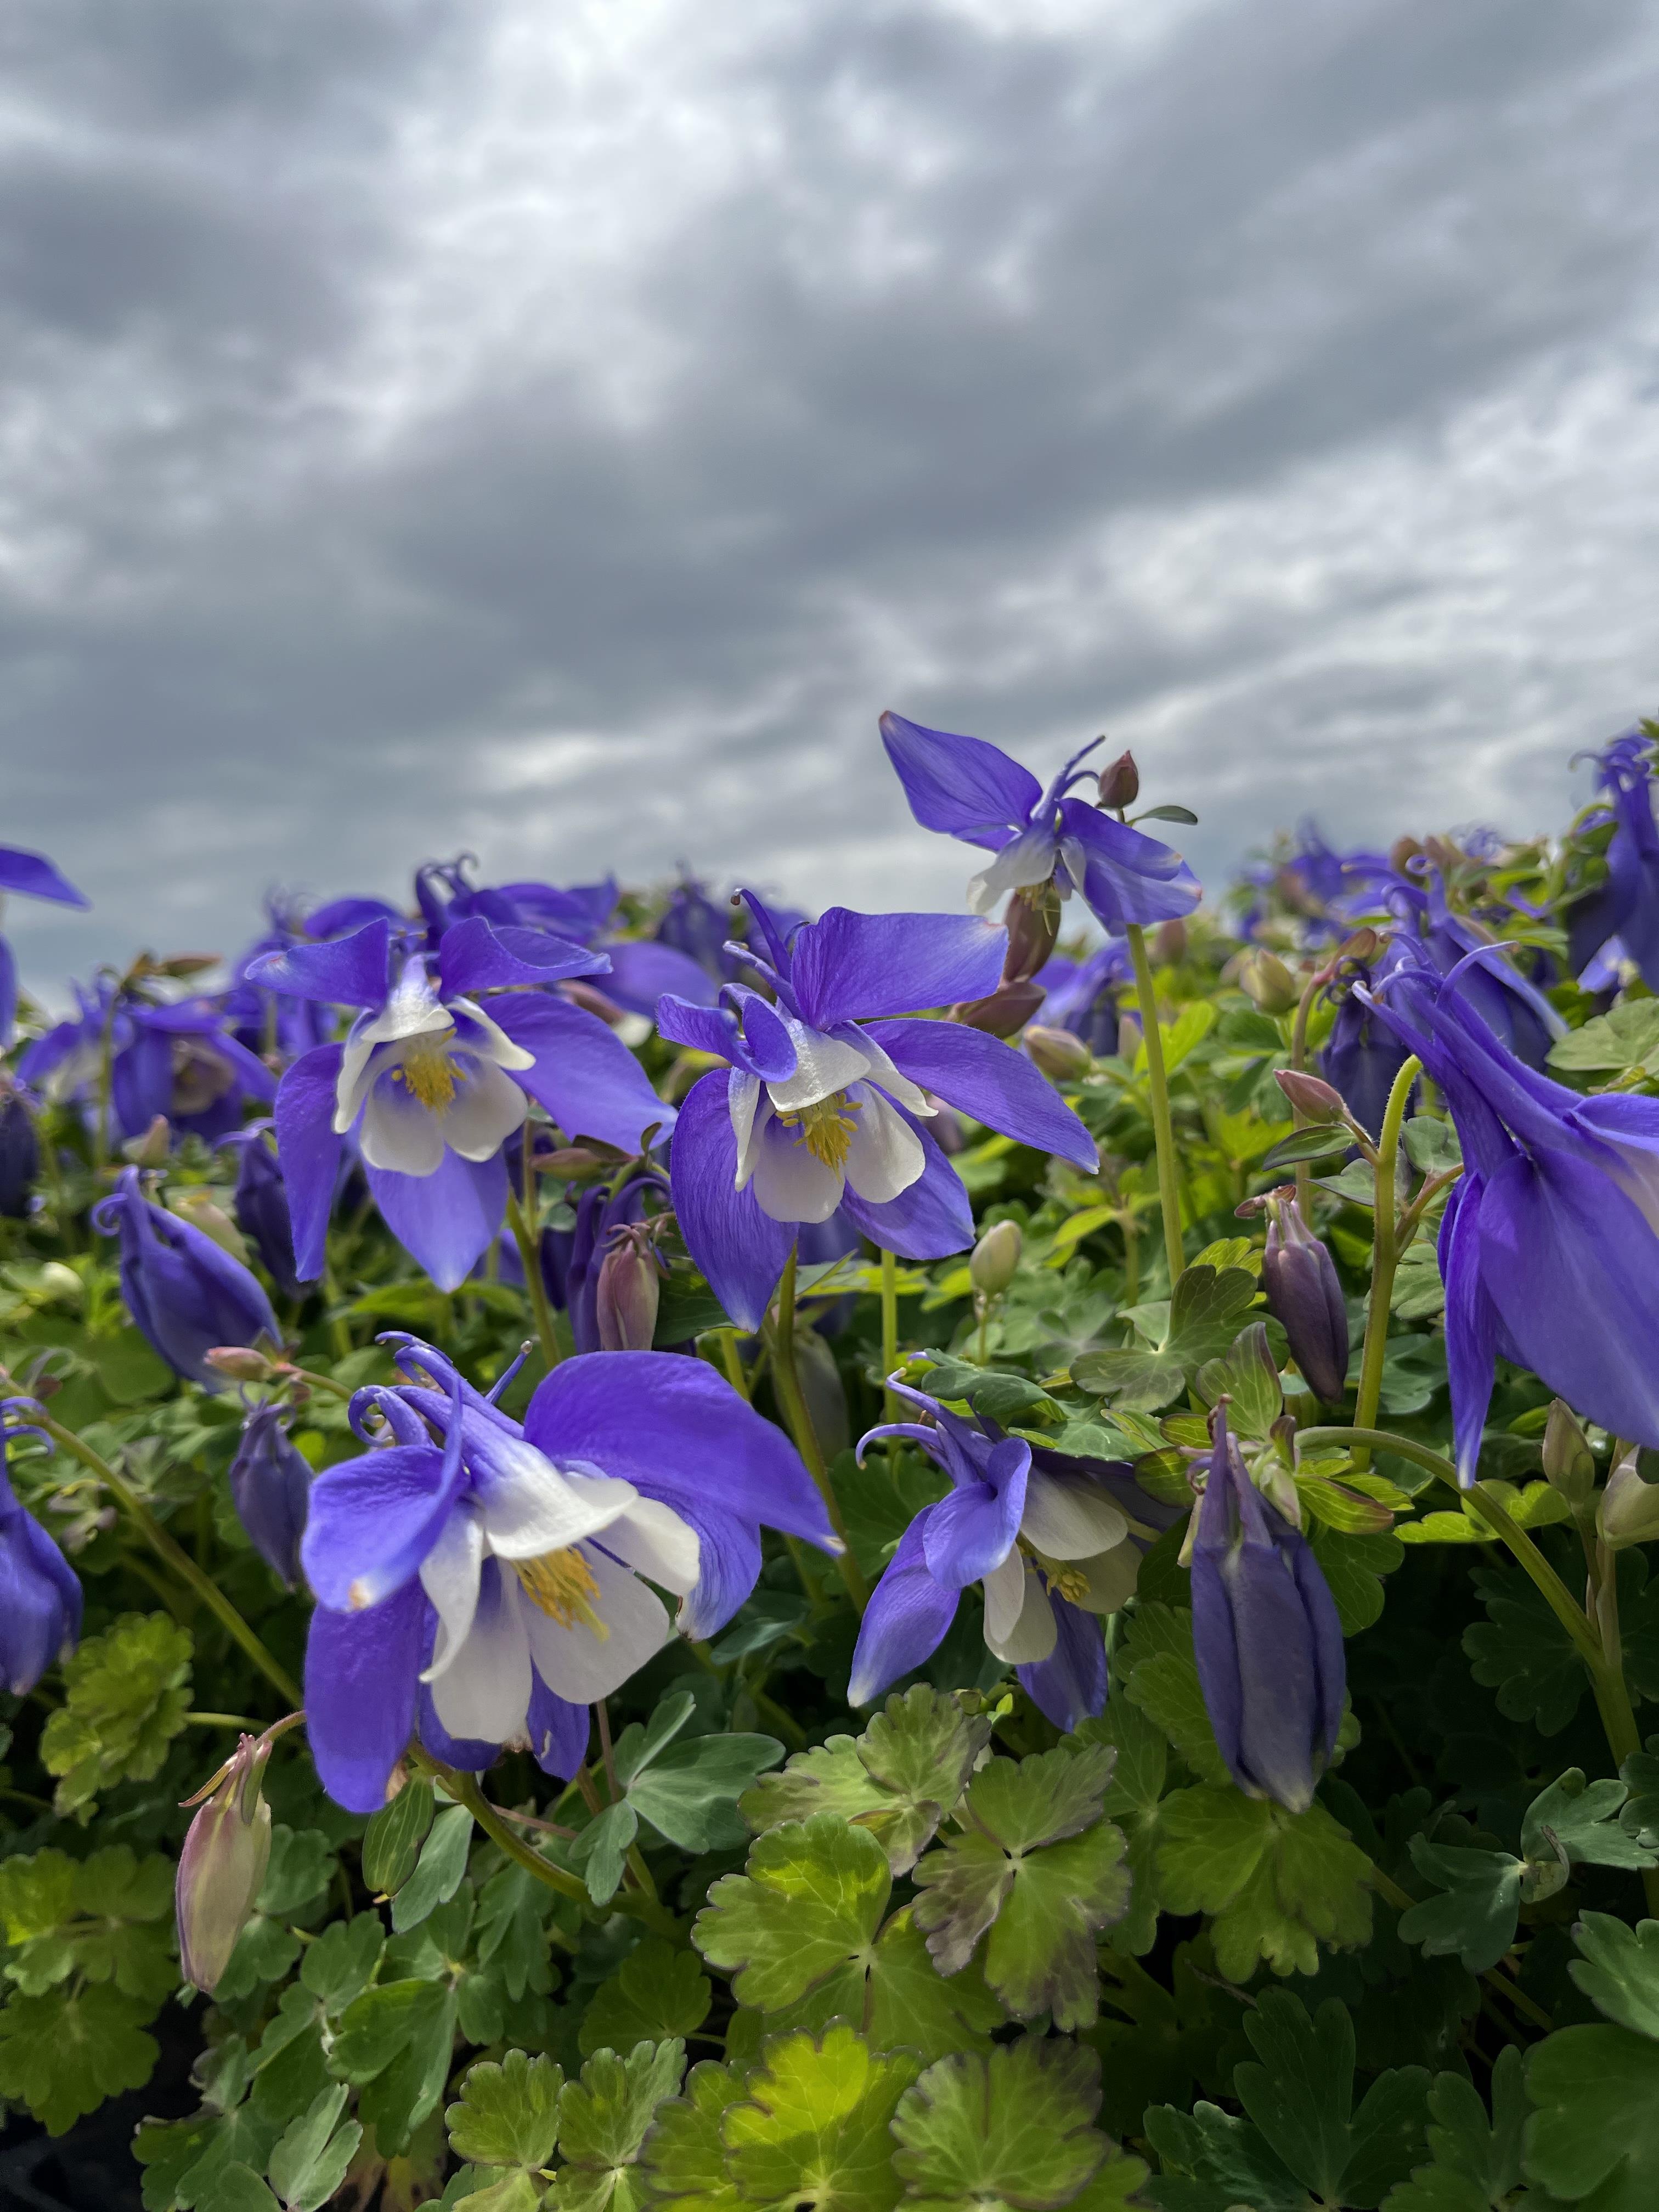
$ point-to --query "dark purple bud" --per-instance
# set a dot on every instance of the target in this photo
(222, 1865)
(1265, 1634)
(1033, 925)
(187, 1296)
(1315, 1101)
(270, 1486)
(1120, 785)
(262, 1214)
(1305, 1298)
(1005, 1013)
(19, 1156)
(629, 1287)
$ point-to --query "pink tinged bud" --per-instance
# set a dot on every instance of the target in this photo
(593, 1002)
(1120, 785)
(1005, 1013)
(222, 1865)
(1315, 1101)
(199, 1210)
(627, 1297)
(1169, 943)
(995, 1259)
(1569, 1462)
(1629, 1509)
(1304, 1296)
(1062, 1057)
(241, 1362)
(1266, 979)
(1129, 1036)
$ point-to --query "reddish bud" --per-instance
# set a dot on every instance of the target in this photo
(1120, 784)
(241, 1362)
(1169, 943)
(1005, 1013)
(222, 1864)
(1315, 1100)
(628, 1294)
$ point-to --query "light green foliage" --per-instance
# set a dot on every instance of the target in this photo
(1039, 1870)
(682, 2162)
(898, 1779)
(812, 1897)
(1155, 1663)
(657, 1994)
(63, 2052)
(506, 2120)
(1277, 1883)
(439, 1870)
(1199, 1325)
(1475, 2161)
(1619, 1970)
(1354, 1563)
(125, 1695)
(393, 1840)
(395, 2041)
(309, 2159)
(1132, 1799)
(1012, 2132)
(814, 2123)
(603, 2119)
(107, 1919)
(1623, 1042)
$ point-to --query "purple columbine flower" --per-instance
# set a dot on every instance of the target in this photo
(31, 875)
(1082, 996)
(432, 1079)
(824, 1110)
(1051, 1541)
(970, 790)
(39, 1591)
(1265, 1634)
(485, 1581)
(186, 1293)
(270, 1489)
(1619, 919)
(1305, 1298)
(182, 1062)
(604, 1216)
(1549, 1244)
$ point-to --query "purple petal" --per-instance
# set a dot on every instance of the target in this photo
(373, 1519)
(697, 1022)
(679, 1432)
(1069, 1685)
(9, 999)
(309, 1152)
(981, 1075)
(641, 971)
(1127, 877)
(558, 1731)
(740, 1249)
(972, 1529)
(961, 786)
(349, 971)
(361, 1671)
(1471, 1323)
(585, 1076)
(905, 1620)
(930, 1220)
(473, 955)
(33, 875)
(763, 1047)
(728, 1567)
(855, 967)
(336, 916)
(445, 1220)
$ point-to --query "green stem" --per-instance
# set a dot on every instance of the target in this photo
(317, 1381)
(786, 1380)
(531, 1258)
(1384, 1257)
(174, 1556)
(890, 1404)
(729, 1354)
(1299, 1061)
(1157, 1083)
(224, 1720)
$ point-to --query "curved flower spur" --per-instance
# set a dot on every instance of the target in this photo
(824, 1108)
(482, 1582)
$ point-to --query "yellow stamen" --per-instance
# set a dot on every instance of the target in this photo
(825, 1127)
(428, 1070)
(1067, 1582)
(562, 1584)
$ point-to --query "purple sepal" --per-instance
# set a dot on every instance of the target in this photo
(858, 967)
(347, 971)
(309, 1152)
(642, 971)
(33, 875)
(473, 957)
(40, 1598)
(361, 1677)
(981, 1075)
(261, 1211)
(447, 1220)
(270, 1489)
(1126, 876)
(973, 1530)
(1069, 1685)
(929, 1221)
(184, 1292)
(741, 1250)
(905, 1620)
(586, 1078)
(8, 996)
(558, 1731)
(960, 786)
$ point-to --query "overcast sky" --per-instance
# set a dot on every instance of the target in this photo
(558, 431)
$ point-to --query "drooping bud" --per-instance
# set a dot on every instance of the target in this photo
(1033, 925)
(1569, 1462)
(824, 1392)
(241, 1364)
(1120, 784)
(577, 1163)
(1315, 1101)
(1265, 978)
(1005, 1013)
(1628, 1510)
(995, 1259)
(1265, 1635)
(1169, 943)
(151, 1150)
(629, 1289)
(1303, 1295)
(1062, 1057)
(262, 1214)
(1130, 1035)
(270, 1486)
(222, 1864)
(41, 1616)
(19, 1156)
(185, 1293)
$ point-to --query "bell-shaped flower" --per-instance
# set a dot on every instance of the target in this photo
(183, 1062)
(1050, 1539)
(1083, 996)
(185, 1291)
(1549, 1244)
(432, 1079)
(39, 1591)
(1620, 917)
(824, 1108)
(970, 790)
(1265, 1633)
(603, 1217)
(270, 1489)
(31, 876)
(477, 1580)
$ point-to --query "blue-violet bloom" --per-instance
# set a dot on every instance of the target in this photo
(270, 1489)
(39, 1591)
(185, 1291)
(31, 876)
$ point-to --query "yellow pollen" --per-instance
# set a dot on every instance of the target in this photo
(825, 1127)
(429, 1072)
(1067, 1582)
(562, 1584)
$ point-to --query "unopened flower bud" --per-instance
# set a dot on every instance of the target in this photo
(995, 1259)
(1129, 1036)
(262, 1212)
(1060, 1055)
(1033, 925)
(1120, 784)
(271, 1487)
(187, 1294)
(241, 1362)
(1304, 1296)
(627, 1297)
(1360, 946)
(197, 1208)
(1628, 1511)
(1265, 978)
(151, 1150)
(1569, 1462)
(222, 1864)
(1315, 1101)
(1169, 943)
(20, 1157)
(576, 1162)
(1005, 1013)
(593, 1001)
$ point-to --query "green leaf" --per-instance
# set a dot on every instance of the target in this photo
(507, 2114)
(1417, 1294)
(438, 1872)
(392, 1839)
(1355, 1567)
(1277, 1883)
(1133, 1800)
(689, 1792)
(657, 1994)
(1432, 1144)
(1478, 1907)
(1248, 1378)
(107, 1917)
(1521, 1651)
(1640, 1815)
(812, 1897)
(1212, 2162)
(602, 1848)
(1476, 2162)
(1596, 2131)
(1012, 2129)
(1619, 1970)
(1156, 1663)
(61, 2054)
(603, 2119)
(1622, 1042)
(341, 1963)
(309, 2160)
(1136, 1381)
(813, 2125)
(301, 1868)
(239, 2188)
(683, 2161)
(1317, 1143)
(375, 2028)
(1040, 1870)
(1581, 1818)
(1300, 2096)
(125, 1695)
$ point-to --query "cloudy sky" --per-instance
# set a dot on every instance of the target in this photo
(556, 432)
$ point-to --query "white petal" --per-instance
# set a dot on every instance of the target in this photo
(413, 1009)
(484, 1691)
(530, 1507)
(1029, 859)
(822, 1065)
(893, 1081)
(1020, 1621)
(487, 1107)
(449, 1576)
(1111, 1577)
(398, 1132)
(790, 1182)
(361, 1064)
(1069, 1520)
(885, 1155)
(491, 1041)
(574, 1662)
(653, 1539)
(743, 1095)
